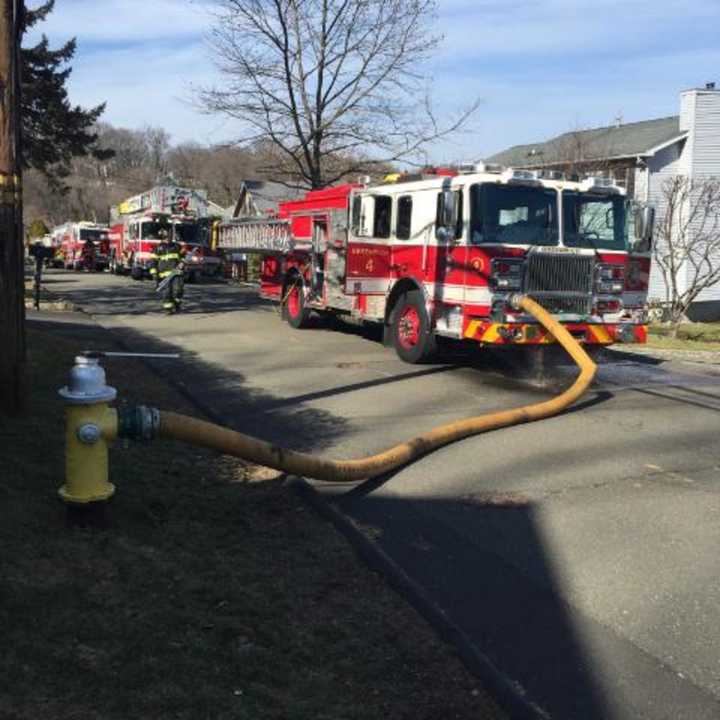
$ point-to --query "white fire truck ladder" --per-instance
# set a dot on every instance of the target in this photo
(266, 236)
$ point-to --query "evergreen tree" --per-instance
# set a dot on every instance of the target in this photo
(53, 131)
(37, 229)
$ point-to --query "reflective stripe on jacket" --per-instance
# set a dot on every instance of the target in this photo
(165, 259)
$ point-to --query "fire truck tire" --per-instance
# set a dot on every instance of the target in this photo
(294, 310)
(410, 330)
(136, 273)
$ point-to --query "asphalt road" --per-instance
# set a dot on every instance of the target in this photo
(579, 554)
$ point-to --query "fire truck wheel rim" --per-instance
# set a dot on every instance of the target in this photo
(293, 302)
(409, 327)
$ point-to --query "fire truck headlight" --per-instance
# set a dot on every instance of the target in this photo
(507, 273)
(508, 283)
(610, 278)
(610, 287)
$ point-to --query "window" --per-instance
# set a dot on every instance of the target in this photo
(372, 216)
(355, 219)
(363, 214)
(515, 215)
(186, 233)
(403, 225)
(151, 230)
(595, 222)
(383, 214)
(94, 235)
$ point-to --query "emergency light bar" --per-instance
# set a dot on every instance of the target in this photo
(511, 175)
(469, 168)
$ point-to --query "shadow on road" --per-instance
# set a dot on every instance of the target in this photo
(514, 614)
(481, 570)
(139, 297)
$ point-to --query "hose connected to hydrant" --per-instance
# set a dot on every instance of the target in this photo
(146, 423)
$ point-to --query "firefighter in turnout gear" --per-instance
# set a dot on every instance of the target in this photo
(165, 262)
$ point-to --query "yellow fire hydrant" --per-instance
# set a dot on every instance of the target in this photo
(91, 426)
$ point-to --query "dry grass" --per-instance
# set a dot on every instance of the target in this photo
(691, 336)
(214, 593)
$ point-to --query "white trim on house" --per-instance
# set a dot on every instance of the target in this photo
(653, 150)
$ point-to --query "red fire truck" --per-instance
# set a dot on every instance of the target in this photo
(136, 226)
(71, 237)
(441, 255)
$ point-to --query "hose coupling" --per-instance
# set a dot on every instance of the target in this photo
(138, 423)
(514, 300)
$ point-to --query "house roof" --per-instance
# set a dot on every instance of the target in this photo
(265, 195)
(614, 141)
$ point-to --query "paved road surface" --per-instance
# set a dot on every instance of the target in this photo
(580, 554)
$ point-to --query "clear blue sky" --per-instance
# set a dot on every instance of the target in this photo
(541, 67)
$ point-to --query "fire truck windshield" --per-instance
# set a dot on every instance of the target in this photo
(151, 229)
(592, 221)
(186, 233)
(517, 215)
(94, 235)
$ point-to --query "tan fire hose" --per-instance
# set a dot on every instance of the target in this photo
(215, 437)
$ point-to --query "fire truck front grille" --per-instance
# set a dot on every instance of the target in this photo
(561, 283)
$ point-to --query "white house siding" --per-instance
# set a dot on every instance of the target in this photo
(706, 135)
(662, 166)
(705, 155)
(687, 110)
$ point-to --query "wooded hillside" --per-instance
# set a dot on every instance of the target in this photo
(142, 158)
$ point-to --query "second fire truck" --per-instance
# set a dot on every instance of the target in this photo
(138, 223)
(442, 254)
(70, 239)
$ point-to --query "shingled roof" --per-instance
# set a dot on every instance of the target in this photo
(614, 141)
(258, 197)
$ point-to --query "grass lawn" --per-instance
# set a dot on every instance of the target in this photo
(212, 594)
(691, 336)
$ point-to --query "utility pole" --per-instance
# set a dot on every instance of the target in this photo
(12, 280)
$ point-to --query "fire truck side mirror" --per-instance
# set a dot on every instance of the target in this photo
(445, 221)
(448, 213)
(644, 226)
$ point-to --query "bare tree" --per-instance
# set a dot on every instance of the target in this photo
(328, 82)
(220, 170)
(687, 241)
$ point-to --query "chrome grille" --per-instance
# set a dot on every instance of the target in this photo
(561, 283)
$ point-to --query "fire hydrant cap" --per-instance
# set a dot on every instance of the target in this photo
(87, 383)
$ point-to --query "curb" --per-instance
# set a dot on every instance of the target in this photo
(508, 695)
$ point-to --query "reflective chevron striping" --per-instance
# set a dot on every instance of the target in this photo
(599, 334)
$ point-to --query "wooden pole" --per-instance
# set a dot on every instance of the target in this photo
(12, 281)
